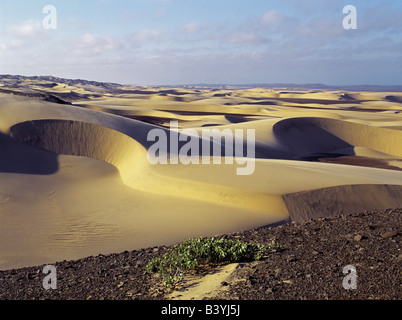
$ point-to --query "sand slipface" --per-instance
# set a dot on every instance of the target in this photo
(76, 180)
(333, 201)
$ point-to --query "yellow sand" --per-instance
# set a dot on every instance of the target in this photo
(85, 187)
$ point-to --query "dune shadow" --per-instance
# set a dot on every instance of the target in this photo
(18, 157)
(236, 118)
(77, 138)
(307, 140)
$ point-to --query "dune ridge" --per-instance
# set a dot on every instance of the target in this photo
(129, 157)
(332, 134)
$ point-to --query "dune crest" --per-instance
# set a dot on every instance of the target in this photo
(317, 135)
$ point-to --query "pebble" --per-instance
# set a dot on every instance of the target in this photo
(390, 234)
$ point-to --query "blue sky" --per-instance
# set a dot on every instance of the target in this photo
(158, 42)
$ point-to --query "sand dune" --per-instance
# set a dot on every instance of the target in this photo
(75, 179)
(346, 199)
(305, 136)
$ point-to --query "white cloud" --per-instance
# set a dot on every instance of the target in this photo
(24, 35)
(244, 38)
(271, 16)
(145, 36)
(14, 44)
(97, 44)
(94, 40)
(86, 45)
(190, 28)
(27, 29)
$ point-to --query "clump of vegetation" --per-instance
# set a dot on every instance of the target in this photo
(203, 251)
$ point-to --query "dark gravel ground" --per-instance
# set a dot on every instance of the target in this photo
(308, 266)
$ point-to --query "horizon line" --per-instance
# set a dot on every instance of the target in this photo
(307, 85)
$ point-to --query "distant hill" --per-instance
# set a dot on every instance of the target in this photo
(306, 86)
(9, 80)
(13, 79)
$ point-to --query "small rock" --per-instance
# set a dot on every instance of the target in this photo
(358, 237)
(31, 275)
(131, 292)
(291, 258)
(390, 234)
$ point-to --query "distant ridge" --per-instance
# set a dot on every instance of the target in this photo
(306, 86)
(59, 80)
(287, 86)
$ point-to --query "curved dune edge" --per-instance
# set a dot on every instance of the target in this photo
(130, 158)
(209, 183)
(164, 179)
(314, 135)
(302, 138)
(79, 138)
(346, 199)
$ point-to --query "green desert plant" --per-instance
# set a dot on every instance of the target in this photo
(202, 251)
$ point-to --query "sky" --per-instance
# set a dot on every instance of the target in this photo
(177, 42)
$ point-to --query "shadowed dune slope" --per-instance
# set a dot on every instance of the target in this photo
(82, 139)
(16, 157)
(307, 136)
(347, 199)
